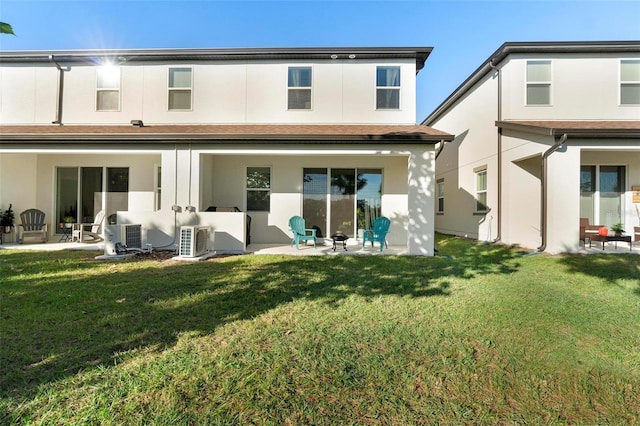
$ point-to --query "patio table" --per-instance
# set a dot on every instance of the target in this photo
(614, 238)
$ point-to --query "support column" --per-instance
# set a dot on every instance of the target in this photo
(421, 203)
(563, 201)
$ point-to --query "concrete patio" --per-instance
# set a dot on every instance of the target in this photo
(354, 248)
(322, 249)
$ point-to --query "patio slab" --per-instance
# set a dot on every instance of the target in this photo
(353, 248)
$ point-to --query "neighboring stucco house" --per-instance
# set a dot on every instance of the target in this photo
(161, 137)
(546, 134)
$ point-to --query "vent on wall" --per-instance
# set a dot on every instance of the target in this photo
(194, 241)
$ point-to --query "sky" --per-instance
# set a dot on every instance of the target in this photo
(463, 34)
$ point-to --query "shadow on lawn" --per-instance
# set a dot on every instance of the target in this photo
(610, 267)
(60, 317)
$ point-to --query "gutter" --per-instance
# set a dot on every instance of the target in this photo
(543, 183)
(58, 119)
(499, 148)
(440, 148)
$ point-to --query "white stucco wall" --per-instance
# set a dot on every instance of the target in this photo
(583, 87)
(475, 146)
(18, 183)
(222, 92)
(28, 94)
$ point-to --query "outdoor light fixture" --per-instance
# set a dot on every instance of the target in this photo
(334, 56)
(352, 56)
(176, 208)
(190, 209)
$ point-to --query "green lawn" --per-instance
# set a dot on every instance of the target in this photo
(480, 334)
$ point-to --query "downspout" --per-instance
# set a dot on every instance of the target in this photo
(440, 148)
(499, 172)
(543, 195)
(58, 119)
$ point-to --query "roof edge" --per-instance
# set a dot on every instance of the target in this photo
(141, 55)
(570, 131)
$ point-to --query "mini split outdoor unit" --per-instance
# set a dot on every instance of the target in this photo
(194, 241)
(119, 237)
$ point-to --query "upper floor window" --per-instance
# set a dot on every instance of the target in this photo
(481, 190)
(299, 88)
(440, 194)
(258, 189)
(180, 88)
(538, 82)
(630, 82)
(108, 88)
(388, 88)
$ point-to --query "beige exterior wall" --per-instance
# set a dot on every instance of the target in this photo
(475, 146)
(584, 87)
(222, 93)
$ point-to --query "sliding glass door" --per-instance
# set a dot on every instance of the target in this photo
(314, 200)
(602, 191)
(343, 194)
(80, 192)
(611, 192)
(341, 199)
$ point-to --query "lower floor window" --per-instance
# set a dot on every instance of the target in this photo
(258, 189)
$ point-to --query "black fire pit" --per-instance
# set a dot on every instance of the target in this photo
(339, 237)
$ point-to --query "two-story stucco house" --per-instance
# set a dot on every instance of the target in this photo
(164, 138)
(546, 134)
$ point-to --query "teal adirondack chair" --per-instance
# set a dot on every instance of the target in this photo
(378, 233)
(300, 233)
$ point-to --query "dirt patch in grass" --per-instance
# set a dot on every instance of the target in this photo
(169, 255)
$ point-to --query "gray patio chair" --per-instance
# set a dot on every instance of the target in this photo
(32, 225)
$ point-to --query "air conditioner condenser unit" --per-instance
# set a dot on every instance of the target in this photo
(194, 241)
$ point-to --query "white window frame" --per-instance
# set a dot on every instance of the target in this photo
(389, 88)
(248, 188)
(626, 82)
(478, 191)
(300, 88)
(528, 83)
(440, 195)
(110, 69)
(171, 89)
(157, 186)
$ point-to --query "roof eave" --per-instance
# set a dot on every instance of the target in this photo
(585, 133)
(299, 53)
(392, 138)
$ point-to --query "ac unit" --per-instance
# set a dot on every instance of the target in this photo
(194, 241)
(131, 236)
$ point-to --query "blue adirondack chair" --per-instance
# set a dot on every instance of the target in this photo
(300, 233)
(378, 233)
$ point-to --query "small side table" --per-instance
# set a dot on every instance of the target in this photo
(66, 231)
(339, 237)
